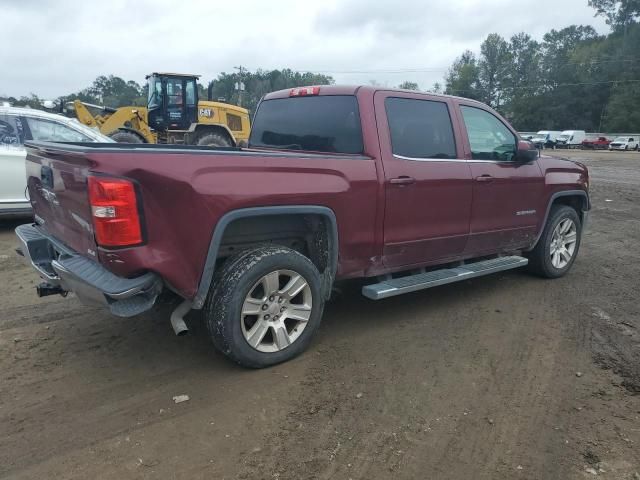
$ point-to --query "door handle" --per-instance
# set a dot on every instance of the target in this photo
(485, 178)
(402, 180)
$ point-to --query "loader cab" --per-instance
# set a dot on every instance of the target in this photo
(172, 101)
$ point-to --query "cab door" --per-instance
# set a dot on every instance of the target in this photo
(427, 181)
(507, 193)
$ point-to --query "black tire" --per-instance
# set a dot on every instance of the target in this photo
(235, 281)
(213, 139)
(122, 136)
(540, 257)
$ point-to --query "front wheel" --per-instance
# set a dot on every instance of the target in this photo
(558, 245)
(265, 306)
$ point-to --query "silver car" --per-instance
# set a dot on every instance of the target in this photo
(18, 125)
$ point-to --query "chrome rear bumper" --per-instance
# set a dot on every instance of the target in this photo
(61, 267)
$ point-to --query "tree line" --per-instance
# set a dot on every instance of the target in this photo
(573, 78)
(113, 91)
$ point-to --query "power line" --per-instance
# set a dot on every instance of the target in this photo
(442, 69)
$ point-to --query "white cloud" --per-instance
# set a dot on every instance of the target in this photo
(52, 48)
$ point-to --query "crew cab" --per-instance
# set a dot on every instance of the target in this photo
(404, 190)
(596, 143)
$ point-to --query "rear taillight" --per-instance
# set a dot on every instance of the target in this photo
(114, 208)
(304, 91)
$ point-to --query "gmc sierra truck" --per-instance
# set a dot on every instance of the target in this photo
(405, 190)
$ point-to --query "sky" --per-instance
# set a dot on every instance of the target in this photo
(55, 47)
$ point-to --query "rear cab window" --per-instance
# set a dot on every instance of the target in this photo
(324, 123)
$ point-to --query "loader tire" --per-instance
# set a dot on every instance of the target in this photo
(122, 136)
(213, 139)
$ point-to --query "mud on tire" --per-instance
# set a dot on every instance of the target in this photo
(239, 287)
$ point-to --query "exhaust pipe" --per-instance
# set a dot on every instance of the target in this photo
(177, 318)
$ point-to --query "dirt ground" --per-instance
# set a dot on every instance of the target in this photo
(502, 377)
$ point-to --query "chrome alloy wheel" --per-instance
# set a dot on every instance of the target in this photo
(563, 243)
(276, 311)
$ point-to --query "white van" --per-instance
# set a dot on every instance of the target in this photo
(571, 138)
(545, 139)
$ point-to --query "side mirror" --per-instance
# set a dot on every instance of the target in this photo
(526, 152)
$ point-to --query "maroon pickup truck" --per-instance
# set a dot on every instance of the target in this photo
(402, 189)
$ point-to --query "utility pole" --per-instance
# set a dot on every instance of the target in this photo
(240, 84)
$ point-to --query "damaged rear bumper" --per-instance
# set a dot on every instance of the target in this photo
(65, 270)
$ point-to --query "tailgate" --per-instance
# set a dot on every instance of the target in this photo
(57, 183)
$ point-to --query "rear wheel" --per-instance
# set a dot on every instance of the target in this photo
(265, 307)
(558, 246)
(213, 139)
(122, 136)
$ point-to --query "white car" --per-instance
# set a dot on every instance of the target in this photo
(18, 125)
(624, 143)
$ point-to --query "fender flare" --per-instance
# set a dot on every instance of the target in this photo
(586, 206)
(212, 254)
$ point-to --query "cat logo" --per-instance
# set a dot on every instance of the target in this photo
(205, 112)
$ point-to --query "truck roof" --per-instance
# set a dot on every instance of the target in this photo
(353, 89)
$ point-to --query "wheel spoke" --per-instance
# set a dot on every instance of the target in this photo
(282, 338)
(257, 333)
(301, 313)
(570, 237)
(252, 306)
(555, 259)
(566, 256)
(565, 226)
(294, 286)
(271, 282)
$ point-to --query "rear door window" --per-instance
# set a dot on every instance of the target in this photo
(48, 131)
(315, 123)
(420, 128)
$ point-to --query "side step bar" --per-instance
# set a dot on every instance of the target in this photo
(421, 281)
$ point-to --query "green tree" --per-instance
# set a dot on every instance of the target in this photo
(259, 83)
(493, 69)
(619, 13)
(463, 77)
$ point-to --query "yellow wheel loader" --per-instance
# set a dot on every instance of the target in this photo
(173, 114)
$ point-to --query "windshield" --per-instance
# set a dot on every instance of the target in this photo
(564, 136)
(313, 123)
(621, 139)
(154, 98)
